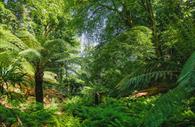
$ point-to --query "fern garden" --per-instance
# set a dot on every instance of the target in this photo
(97, 63)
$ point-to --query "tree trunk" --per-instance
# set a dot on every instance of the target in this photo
(39, 84)
(147, 4)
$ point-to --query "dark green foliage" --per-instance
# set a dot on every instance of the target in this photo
(132, 69)
(111, 113)
(27, 118)
(32, 117)
(168, 104)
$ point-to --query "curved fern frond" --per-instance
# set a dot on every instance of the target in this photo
(31, 55)
(130, 83)
(50, 77)
(167, 104)
(28, 39)
(9, 41)
(56, 46)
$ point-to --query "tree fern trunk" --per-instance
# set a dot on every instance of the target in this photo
(39, 84)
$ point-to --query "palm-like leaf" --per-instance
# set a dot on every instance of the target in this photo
(7, 57)
(9, 41)
(28, 39)
(12, 74)
(31, 55)
(131, 82)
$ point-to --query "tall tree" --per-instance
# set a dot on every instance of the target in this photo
(39, 25)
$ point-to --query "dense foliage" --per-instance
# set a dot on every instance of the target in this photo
(97, 63)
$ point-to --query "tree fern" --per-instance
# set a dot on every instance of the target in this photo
(167, 105)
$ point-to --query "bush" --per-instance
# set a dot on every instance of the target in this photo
(36, 118)
(112, 113)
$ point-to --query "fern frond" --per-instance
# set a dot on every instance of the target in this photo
(28, 39)
(56, 46)
(11, 74)
(7, 57)
(168, 104)
(50, 77)
(9, 41)
(130, 83)
(31, 55)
